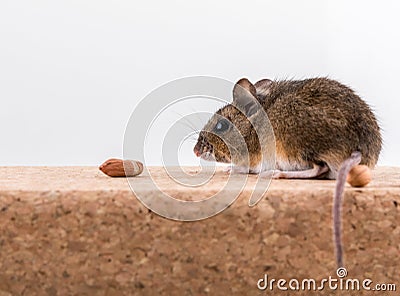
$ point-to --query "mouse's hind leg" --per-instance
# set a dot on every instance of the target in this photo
(315, 172)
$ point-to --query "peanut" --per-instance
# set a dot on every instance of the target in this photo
(359, 176)
(121, 168)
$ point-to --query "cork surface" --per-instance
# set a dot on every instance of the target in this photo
(75, 231)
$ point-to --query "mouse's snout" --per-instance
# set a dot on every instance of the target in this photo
(202, 146)
(196, 150)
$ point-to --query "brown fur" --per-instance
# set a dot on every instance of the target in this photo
(315, 121)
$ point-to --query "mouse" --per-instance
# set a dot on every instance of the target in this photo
(322, 129)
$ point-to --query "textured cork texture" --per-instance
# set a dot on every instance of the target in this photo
(75, 231)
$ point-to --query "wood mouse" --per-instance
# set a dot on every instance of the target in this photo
(322, 129)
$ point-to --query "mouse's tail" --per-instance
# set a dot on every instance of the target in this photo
(344, 170)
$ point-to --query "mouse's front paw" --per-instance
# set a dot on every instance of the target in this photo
(227, 169)
(236, 170)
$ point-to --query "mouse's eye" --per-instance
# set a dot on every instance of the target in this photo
(222, 125)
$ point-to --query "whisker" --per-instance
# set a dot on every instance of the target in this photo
(187, 123)
(198, 117)
(189, 127)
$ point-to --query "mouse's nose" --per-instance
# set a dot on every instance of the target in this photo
(196, 151)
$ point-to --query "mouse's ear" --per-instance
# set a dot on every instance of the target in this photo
(263, 88)
(245, 96)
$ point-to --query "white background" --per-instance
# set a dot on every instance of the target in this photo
(71, 72)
